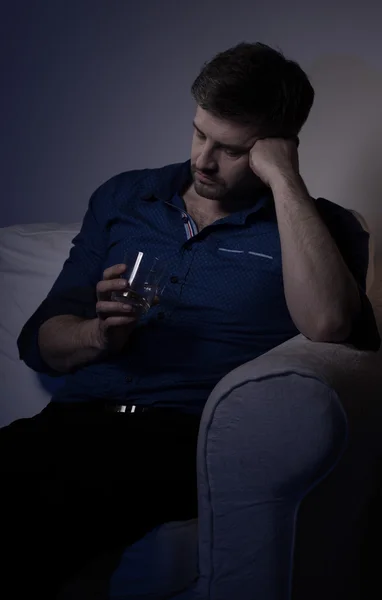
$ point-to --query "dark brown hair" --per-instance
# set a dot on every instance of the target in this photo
(255, 84)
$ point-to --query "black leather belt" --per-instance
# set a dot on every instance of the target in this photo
(135, 409)
(94, 406)
(101, 406)
(148, 410)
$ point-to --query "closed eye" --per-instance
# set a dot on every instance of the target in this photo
(199, 133)
(233, 153)
(229, 151)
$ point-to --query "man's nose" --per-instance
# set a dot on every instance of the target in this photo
(206, 160)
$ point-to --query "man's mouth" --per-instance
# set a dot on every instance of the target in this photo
(204, 178)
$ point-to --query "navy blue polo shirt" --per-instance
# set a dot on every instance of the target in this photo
(223, 303)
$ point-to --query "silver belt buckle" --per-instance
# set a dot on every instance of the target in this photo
(122, 408)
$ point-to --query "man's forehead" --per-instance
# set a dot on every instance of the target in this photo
(224, 131)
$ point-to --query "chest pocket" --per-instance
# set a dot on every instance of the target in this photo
(248, 253)
(248, 271)
(255, 255)
(252, 259)
(240, 277)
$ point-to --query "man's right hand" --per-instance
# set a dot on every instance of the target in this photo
(115, 320)
(68, 342)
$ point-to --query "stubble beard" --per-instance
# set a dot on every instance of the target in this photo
(247, 188)
(215, 191)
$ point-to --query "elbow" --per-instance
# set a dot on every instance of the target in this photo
(332, 330)
(335, 334)
(336, 326)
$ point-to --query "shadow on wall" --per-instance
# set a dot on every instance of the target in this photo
(341, 144)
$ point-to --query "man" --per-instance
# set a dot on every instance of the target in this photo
(251, 261)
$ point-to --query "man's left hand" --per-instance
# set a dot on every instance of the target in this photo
(274, 158)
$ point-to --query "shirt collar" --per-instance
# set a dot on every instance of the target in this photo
(163, 183)
(243, 216)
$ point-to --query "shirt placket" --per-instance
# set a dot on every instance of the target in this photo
(190, 226)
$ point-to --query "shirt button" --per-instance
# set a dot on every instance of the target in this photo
(185, 219)
(174, 279)
(129, 379)
(161, 315)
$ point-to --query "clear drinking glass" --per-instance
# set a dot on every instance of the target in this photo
(145, 278)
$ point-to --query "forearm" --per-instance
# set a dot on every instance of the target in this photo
(321, 293)
(67, 342)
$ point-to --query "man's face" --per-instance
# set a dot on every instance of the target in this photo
(220, 157)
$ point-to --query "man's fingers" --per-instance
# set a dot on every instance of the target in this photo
(105, 287)
(114, 271)
(117, 321)
(105, 308)
(111, 282)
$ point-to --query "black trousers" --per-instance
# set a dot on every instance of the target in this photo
(79, 482)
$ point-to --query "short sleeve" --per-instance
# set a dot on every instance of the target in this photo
(353, 242)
